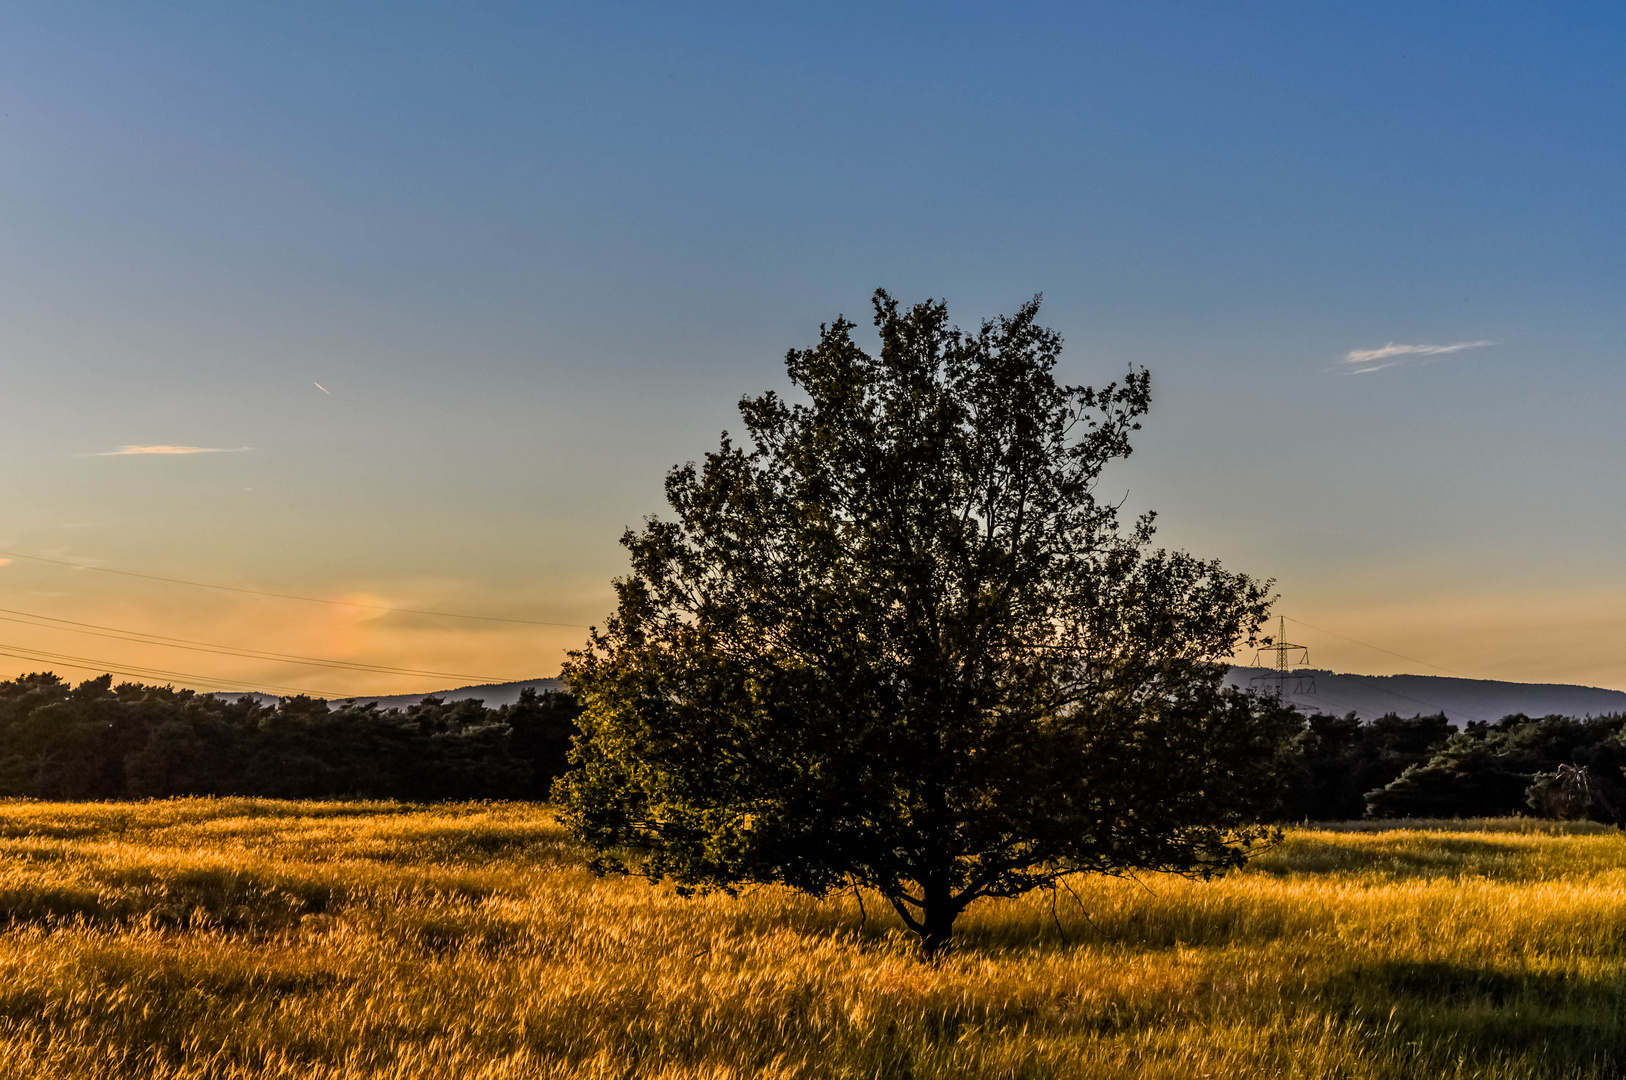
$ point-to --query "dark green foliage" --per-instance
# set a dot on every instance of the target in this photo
(1340, 759)
(1488, 769)
(97, 741)
(1571, 792)
(899, 642)
(540, 728)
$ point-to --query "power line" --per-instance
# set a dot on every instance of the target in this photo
(143, 638)
(291, 596)
(1381, 649)
(88, 664)
(1403, 656)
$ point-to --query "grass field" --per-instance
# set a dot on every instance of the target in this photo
(238, 938)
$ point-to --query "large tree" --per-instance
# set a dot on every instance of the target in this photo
(900, 643)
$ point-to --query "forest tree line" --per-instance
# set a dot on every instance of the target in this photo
(104, 741)
(99, 740)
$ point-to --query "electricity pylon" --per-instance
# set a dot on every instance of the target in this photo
(1282, 666)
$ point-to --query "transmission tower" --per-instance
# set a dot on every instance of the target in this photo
(1286, 663)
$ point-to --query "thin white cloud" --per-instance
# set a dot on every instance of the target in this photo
(126, 450)
(1364, 361)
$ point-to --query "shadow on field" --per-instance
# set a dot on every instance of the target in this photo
(1153, 924)
(194, 898)
(1397, 857)
(1480, 1014)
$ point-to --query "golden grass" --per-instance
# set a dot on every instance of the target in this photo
(244, 938)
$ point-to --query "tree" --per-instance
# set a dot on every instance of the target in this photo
(98, 741)
(1570, 792)
(1494, 769)
(540, 729)
(1340, 759)
(899, 643)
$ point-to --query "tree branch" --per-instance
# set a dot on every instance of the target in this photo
(903, 913)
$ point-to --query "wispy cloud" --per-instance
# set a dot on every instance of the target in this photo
(1363, 361)
(126, 450)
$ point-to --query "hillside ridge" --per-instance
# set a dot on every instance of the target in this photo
(1368, 696)
(1462, 700)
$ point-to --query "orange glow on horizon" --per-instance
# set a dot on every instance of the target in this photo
(462, 652)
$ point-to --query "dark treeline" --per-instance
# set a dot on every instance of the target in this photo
(101, 741)
(1551, 766)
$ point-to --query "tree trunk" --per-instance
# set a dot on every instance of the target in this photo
(937, 918)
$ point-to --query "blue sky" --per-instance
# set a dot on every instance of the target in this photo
(534, 254)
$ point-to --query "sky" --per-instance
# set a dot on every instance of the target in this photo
(443, 290)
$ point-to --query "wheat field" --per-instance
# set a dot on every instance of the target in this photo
(245, 938)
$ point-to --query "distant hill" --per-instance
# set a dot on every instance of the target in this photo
(493, 694)
(1371, 696)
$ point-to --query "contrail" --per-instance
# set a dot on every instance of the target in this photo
(323, 389)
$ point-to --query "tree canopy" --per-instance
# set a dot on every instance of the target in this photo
(898, 642)
(1515, 765)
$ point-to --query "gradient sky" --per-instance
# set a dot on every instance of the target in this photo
(533, 254)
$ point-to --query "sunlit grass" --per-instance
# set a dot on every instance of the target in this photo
(238, 938)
